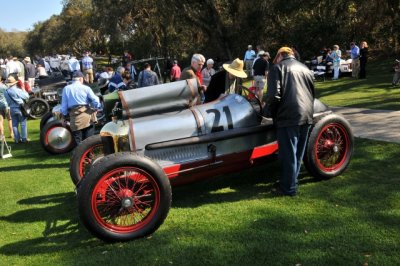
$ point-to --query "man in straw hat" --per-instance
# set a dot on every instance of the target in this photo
(15, 96)
(226, 81)
(290, 98)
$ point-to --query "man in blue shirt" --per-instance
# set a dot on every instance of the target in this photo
(249, 56)
(87, 66)
(75, 102)
(355, 62)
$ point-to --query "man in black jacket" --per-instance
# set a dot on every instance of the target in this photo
(290, 98)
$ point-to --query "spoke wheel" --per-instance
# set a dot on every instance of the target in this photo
(39, 108)
(330, 147)
(124, 197)
(84, 156)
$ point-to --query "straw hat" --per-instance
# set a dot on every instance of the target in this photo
(27, 59)
(11, 80)
(235, 68)
(285, 50)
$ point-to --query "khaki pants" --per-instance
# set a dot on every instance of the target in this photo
(249, 68)
(88, 75)
(355, 65)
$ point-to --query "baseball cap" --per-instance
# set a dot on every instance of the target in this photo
(77, 74)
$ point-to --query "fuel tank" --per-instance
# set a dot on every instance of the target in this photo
(229, 112)
(159, 99)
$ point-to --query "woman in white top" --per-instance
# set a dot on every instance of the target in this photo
(336, 55)
(207, 72)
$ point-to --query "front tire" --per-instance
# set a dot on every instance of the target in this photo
(83, 157)
(46, 118)
(56, 137)
(124, 197)
(330, 147)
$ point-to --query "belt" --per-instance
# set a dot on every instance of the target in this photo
(77, 106)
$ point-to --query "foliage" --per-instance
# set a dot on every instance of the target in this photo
(11, 43)
(218, 28)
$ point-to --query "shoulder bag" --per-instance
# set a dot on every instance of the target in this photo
(24, 107)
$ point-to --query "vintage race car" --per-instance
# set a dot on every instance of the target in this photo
(163, 137)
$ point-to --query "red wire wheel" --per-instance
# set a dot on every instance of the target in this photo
(84, 156)
(124, 197)
(330, 147)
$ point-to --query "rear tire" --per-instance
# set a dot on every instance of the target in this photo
(124, 197)
(57, 138)
(329, 148)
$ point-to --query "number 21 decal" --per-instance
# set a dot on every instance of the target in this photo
(217, 117)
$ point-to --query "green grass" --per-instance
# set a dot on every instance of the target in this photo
(375, 92)
(229, 220)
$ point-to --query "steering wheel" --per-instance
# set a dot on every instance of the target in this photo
(252, 98)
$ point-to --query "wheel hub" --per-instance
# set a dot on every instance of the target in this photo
(335, 149)
(127, 202)
(59, 138)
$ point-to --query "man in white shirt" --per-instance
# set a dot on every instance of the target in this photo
(73, 65)
(12, 67)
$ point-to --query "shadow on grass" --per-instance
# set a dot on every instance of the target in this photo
(34, 166)
(61, 231)
(256, 182)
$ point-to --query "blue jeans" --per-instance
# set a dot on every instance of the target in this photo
(17, 119)
(83, 134)
(292, 142)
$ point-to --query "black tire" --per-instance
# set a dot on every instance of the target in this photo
(57, 138)
(83, 156)
(48, 117)
(39, 108)
(329, 148)
(124, 197)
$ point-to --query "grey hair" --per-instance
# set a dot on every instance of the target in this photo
(120, 69)
(198, 58)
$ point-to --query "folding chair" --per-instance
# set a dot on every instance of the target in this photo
(319, 73)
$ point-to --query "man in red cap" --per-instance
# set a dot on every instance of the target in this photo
(290, 101)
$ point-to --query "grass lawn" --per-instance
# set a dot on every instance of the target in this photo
(229, 220)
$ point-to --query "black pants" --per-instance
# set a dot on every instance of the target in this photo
(82, 134)
(363, 64)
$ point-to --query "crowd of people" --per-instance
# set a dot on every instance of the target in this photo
(333, 58)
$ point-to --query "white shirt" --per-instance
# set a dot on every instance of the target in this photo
(73, 64)
(12, 67)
